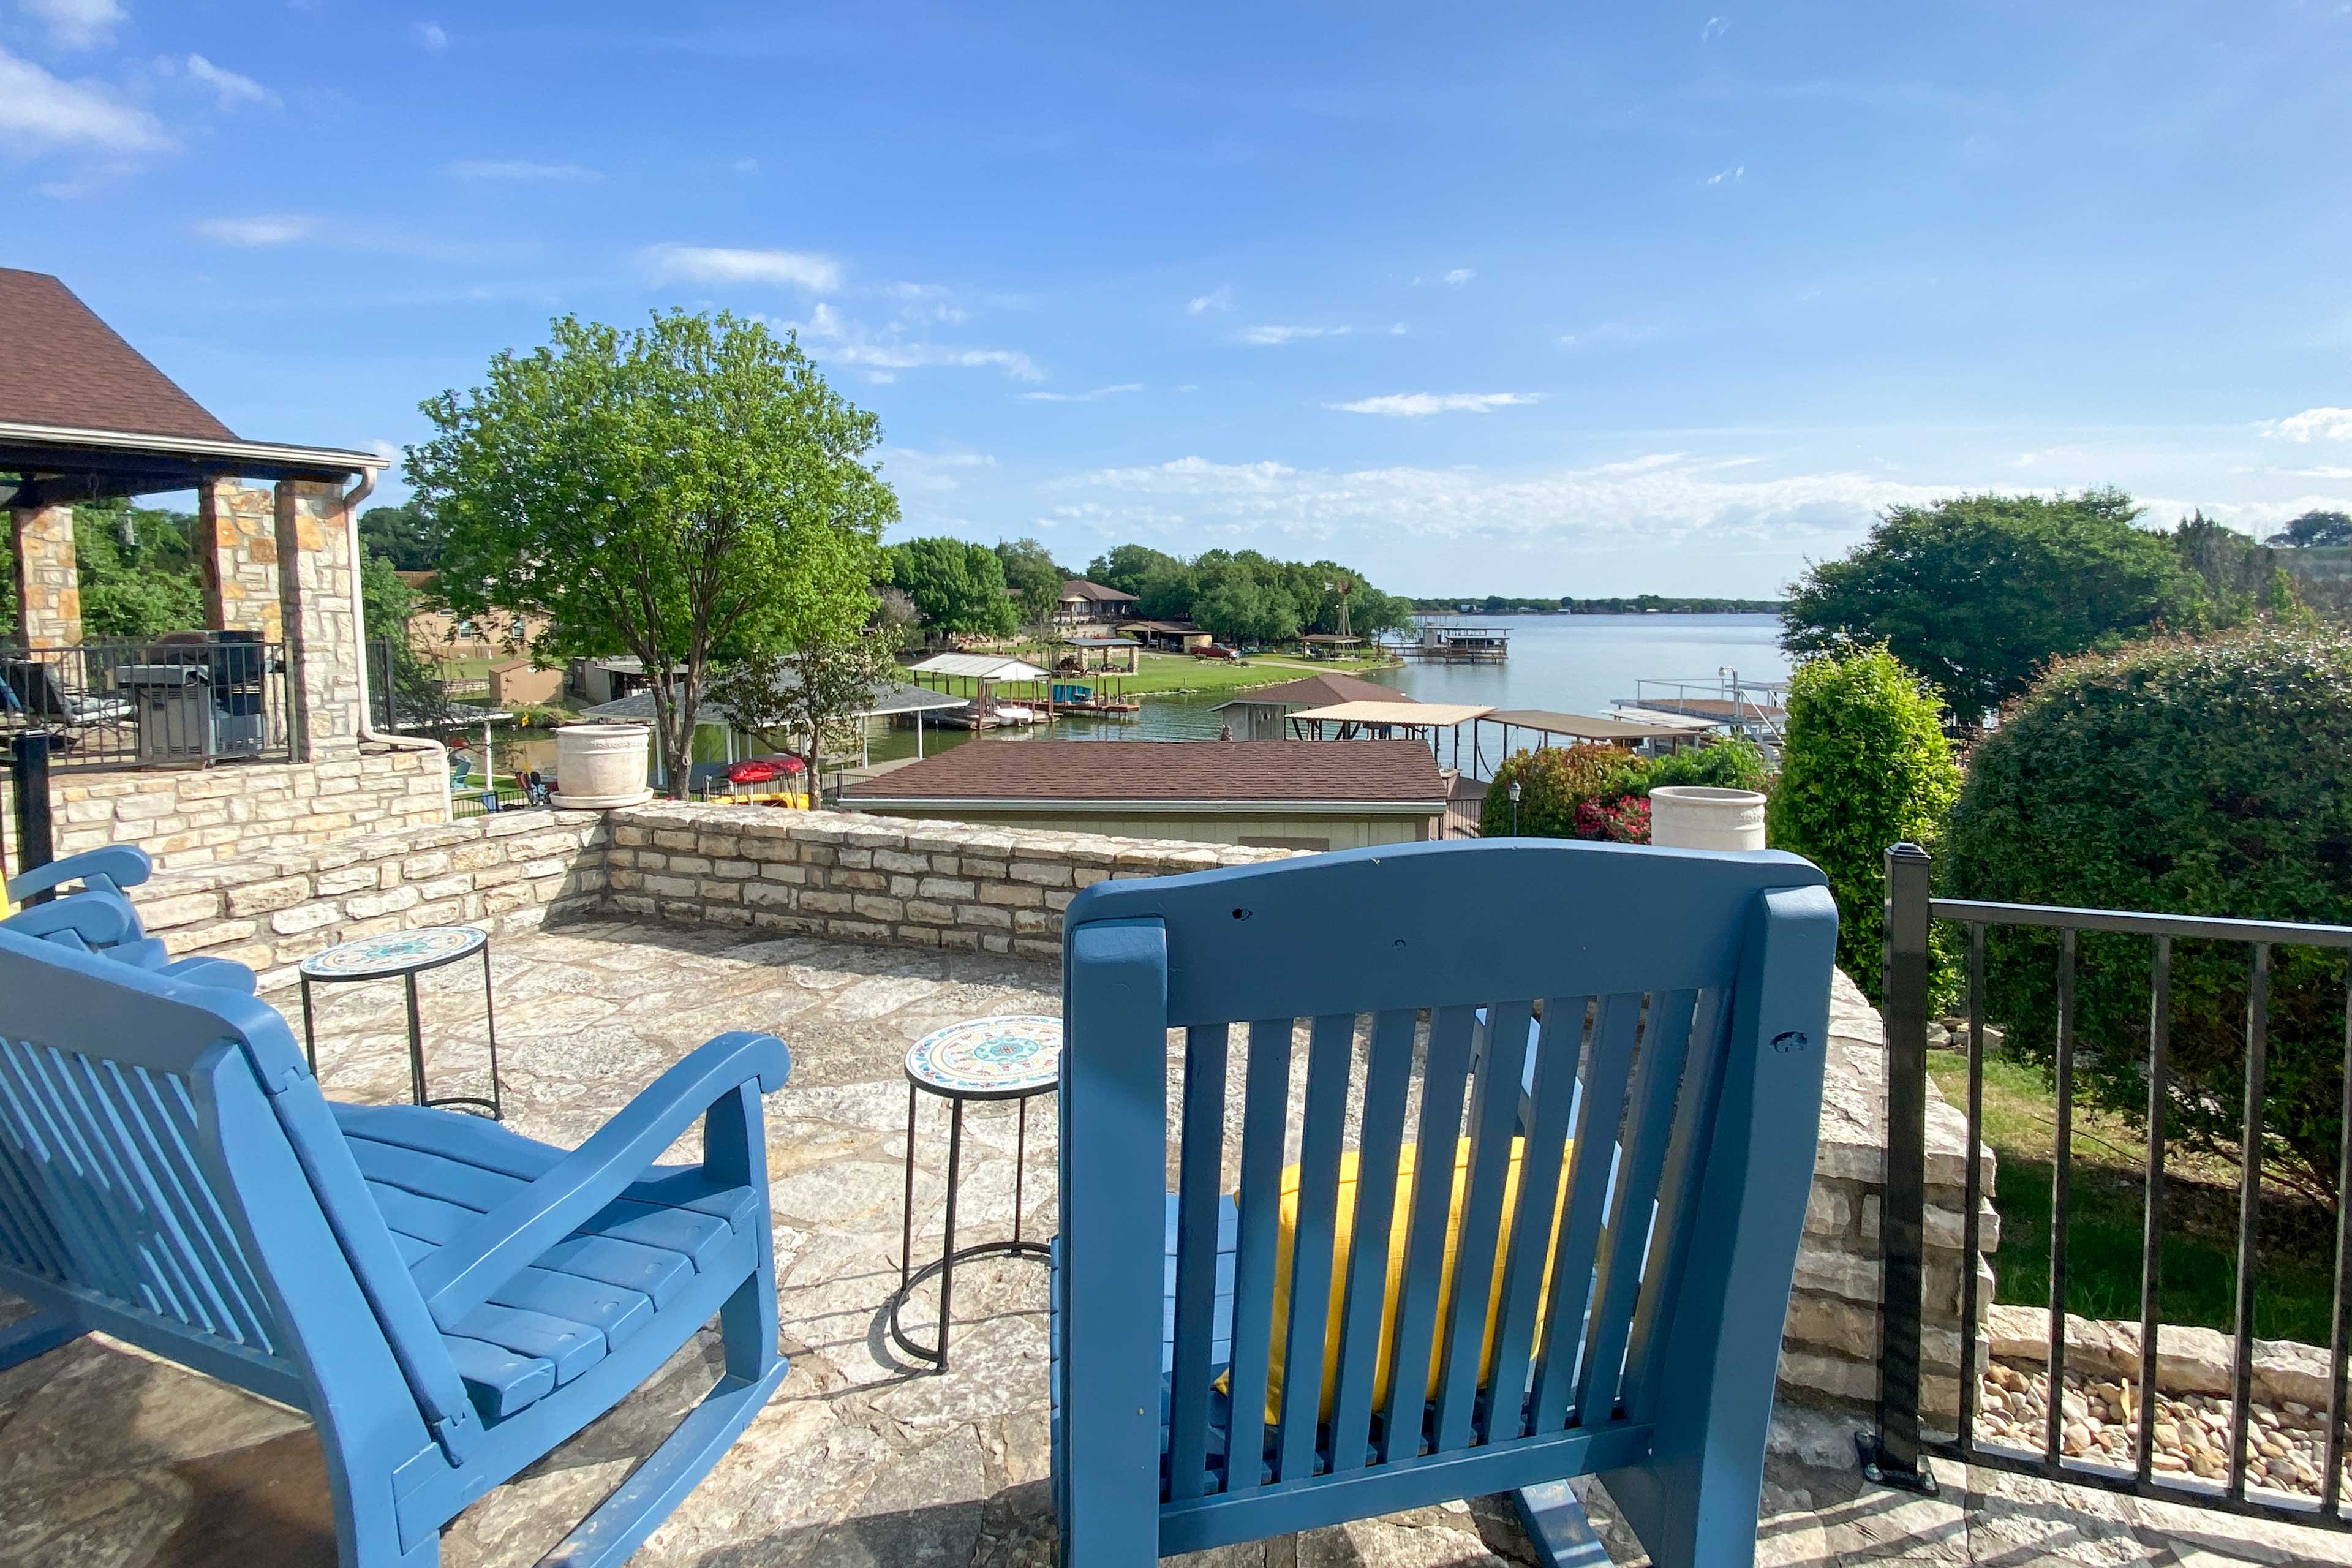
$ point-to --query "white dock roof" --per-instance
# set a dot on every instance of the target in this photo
(979, 667)
(1419, 715)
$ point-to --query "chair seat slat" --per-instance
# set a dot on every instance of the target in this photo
(1264, 1116)
(1444, 1086)
(1559, 1051)
(1677, 1199)
(1197, 1257)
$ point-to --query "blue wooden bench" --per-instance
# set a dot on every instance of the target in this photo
(448, 1299)
(1676, 1004)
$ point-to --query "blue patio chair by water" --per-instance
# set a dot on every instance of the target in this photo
(1336, 1339)
(100, 917)
(447, 1300)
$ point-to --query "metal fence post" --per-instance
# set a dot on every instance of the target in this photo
(28, 771)
(1890, 1456)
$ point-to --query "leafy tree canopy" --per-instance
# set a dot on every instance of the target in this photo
(800, 699)
(1242, 596)
(1977, 593)
(405, 535)
(1033, 577)
(685, 490)
(957, 586)
(138, 573)
(1125, 566)
(2315, 530)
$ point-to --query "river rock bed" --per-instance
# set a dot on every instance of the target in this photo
(2286, 1443)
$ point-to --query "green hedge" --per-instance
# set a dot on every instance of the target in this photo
(2209, 778)
(1557, 783)
(1864, 765)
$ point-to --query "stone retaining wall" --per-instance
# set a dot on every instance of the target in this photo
(945, 885)
(505, 872)
(200, 816)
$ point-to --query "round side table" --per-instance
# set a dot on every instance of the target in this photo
(407, 955)
(1008, 1058)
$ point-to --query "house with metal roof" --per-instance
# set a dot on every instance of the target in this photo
(1289, 795)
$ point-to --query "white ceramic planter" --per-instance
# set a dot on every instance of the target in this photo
(598, 766)
(1691, 817)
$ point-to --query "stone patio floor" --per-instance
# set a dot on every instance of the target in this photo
(111, 1459)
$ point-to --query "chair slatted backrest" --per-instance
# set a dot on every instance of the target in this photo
(1567, 1007)
(165, 1156)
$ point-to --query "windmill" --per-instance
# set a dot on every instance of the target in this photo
(1343, 586)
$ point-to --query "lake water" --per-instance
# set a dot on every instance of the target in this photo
(1575, 664)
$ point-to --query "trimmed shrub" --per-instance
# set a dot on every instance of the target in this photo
(1864, 765)
(2209, 778)
(1555, 782)
(1734, 762)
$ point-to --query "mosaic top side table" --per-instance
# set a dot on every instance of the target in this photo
(407, 955)
(1014, 1058)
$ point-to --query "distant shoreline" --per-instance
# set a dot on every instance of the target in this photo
(1640, 604)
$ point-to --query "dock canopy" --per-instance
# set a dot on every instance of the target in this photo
(979, 667)
(1317, 691)
(1590, 727)
(1406, 714)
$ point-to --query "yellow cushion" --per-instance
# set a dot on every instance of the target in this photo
(1399, 1230)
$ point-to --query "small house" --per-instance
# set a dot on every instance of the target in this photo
(1285, 794)
(1085, 604)
(1169, 636)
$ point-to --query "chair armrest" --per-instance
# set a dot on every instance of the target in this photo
(96, 921)
(492, 1248)
(109, 871)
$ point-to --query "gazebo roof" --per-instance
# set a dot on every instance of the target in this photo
(83, 415)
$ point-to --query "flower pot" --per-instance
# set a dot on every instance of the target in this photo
(598, 766)
(1691, 817)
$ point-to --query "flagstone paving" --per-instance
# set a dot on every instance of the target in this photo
(111, 1459)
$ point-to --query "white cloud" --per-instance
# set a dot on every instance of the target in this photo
(1716, 28)
(799, 269)
(75, 24)
(850, 342)
(1606, 333)
(1460, 276)
(745, 166)
(1271, 337)
(521, 170)
(1096, 396)
(1416, 404)
(2312, 424)
(1651, 502)
(1731, 176)
(39, 112)
(914, 470)
(280, 229)
(1218, 298)
(434, 35)
(233, 87)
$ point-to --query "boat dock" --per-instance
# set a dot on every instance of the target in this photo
(1451, 641)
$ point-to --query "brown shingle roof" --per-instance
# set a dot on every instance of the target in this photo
(1320, 691)
(60, 365)
(1372, 772)
(1080, 588)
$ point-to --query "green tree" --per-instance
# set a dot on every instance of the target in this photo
(1035, 582)
(406, 536)
(1554, 782)
(1125, 566)
(1168, 592)
(1979, 591)
(800, 699)
(684, 490)
(957, 586)
(2204, 778)
(2243, 581)
(138, 574)
(2315, 530)
(414, 698)
(1238, 608)
(1864, 765)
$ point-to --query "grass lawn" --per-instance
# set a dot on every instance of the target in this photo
(2294, 1247)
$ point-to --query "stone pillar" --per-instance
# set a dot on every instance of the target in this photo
(48, 584)
(236, 557)
(315, 578)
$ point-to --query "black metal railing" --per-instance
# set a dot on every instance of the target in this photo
(189, 697)
(1892, 1453)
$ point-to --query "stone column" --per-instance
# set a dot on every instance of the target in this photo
(236, 557)
(315, 578)
(48, 585)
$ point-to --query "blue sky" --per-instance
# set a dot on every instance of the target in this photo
(1521, 299)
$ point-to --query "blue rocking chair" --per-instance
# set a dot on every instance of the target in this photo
(1325, 1344)
(98, 918)
(447, 1300)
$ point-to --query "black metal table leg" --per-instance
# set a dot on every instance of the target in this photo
(415, 1042)
(309, 1032)
(935, 1354)
(490, 1022)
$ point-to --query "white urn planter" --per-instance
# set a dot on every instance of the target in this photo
(598, 766)
(1692, 817)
